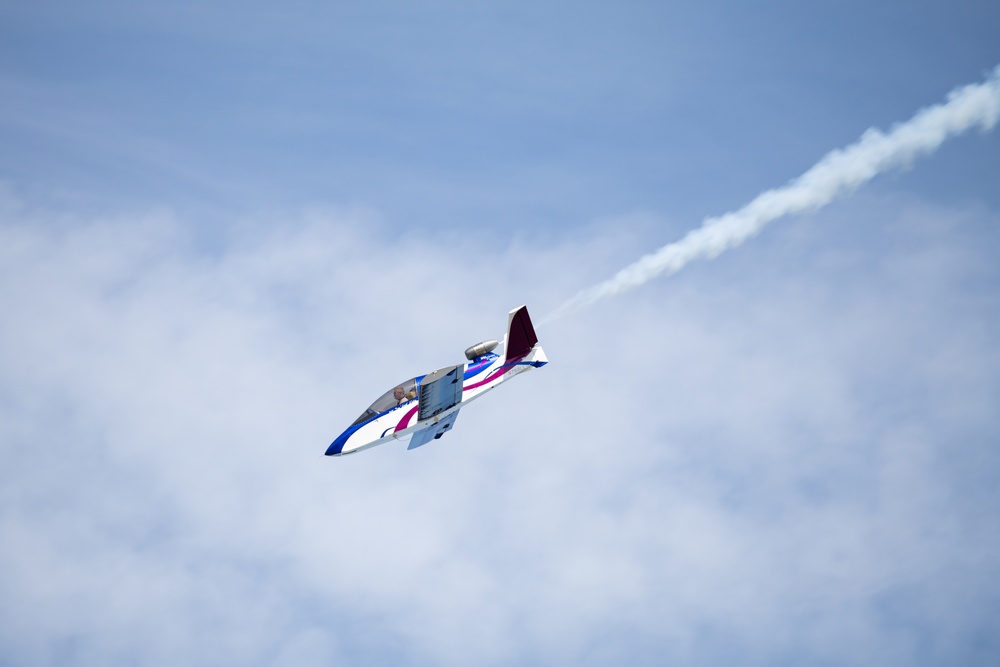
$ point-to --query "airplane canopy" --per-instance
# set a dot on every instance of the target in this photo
(404, 392)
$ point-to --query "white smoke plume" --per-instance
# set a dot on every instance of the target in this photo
(836, 174)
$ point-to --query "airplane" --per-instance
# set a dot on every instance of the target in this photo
(424, 408)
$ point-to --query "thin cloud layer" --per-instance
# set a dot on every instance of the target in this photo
(781, 464)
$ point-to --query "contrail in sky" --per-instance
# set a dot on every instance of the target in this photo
(838, 173)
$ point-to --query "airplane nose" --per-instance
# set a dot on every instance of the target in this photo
(336, 447)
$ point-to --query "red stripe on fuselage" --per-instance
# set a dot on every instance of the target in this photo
(406, 418)
(495, 374)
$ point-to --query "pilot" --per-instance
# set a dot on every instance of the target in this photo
(412, 394)
(399, 395)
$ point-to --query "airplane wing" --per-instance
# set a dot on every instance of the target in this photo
(433, 432)
(439, 391)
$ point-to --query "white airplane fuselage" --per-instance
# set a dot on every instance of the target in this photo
(397, 416)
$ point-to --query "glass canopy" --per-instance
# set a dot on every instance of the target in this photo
(404, 392)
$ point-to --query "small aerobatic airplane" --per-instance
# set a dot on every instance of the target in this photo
(424, 408)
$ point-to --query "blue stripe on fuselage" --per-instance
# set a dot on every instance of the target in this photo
(481, 365)
(337, 446)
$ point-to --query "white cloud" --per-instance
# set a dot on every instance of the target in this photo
(782, 457)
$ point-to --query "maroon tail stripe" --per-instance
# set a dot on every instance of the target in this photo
(521, 337)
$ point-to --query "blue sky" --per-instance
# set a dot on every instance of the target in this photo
(226, 227)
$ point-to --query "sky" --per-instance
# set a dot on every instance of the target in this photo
(225, 228)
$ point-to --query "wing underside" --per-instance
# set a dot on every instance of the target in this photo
(433, 432)
(439, 391)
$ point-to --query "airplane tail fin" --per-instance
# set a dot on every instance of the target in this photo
(520, 338)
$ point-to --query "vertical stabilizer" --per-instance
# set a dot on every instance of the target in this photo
(520, 333)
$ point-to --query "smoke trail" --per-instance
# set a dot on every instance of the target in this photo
(838, 173)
